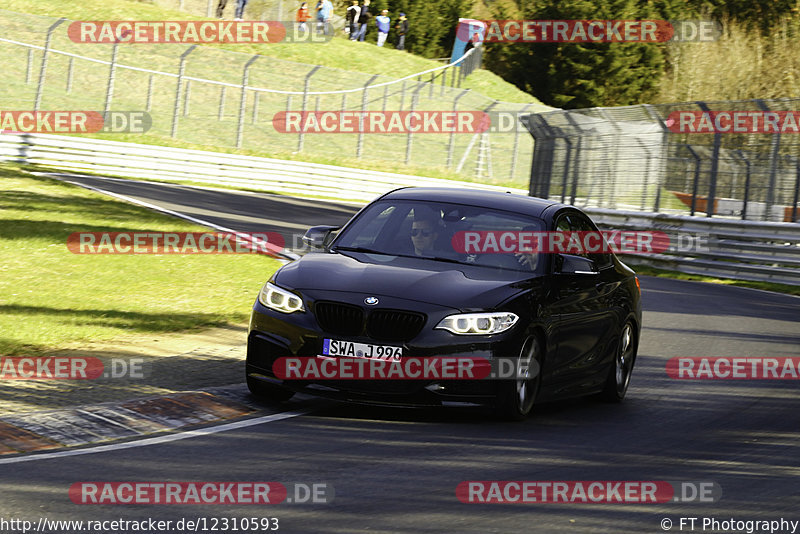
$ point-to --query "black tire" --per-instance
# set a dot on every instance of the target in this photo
(516, 398)
(619, 374)
(265, 390)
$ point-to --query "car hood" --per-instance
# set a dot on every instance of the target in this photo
(464, 287)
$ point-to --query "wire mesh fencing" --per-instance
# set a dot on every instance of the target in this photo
(736, 159)
(217, 98)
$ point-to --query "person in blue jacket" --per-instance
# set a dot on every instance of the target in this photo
(383, 21)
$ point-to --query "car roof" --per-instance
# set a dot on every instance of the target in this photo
(476, 197)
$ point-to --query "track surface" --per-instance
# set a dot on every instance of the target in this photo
(396, 470)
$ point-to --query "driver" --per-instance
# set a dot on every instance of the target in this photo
(425, 230)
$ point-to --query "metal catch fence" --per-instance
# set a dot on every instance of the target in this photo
(691, 158)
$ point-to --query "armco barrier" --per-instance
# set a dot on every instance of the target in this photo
(146, 162)
(742, 250)
(737, 249)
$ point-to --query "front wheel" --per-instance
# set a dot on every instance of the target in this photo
(619, 375)
(515, 398)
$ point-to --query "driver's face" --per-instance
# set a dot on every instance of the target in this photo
(423, 236)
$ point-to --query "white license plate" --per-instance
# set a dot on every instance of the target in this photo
(349, 349)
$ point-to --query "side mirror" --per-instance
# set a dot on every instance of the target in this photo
(569, 264)
(319, 237)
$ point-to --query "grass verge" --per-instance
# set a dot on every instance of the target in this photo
(766, 286)
(51, 298)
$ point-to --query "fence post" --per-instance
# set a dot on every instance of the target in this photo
(360, 145)
(664, 144)
(70, 67)
(221, 110)
(409, 135)
(29, 68)
(452, 143)
(567, 161)
(111, 73)
(741, 156)
(444, 81)
(646, 173)
(148, 104)
(712, 187)
(774, 158)
(385, 97)
(796, 191)
(306, 84)
(186, 93)
(403, 95)
(243, 102)
(40, 87)
(209, 8)
(516, 142)
(176, 107)
(483, 146)
(696, 157)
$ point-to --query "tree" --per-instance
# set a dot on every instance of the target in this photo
(577, 75)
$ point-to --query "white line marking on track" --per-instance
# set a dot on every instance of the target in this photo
(259, 242)
(157, 440)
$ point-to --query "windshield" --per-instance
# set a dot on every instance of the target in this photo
(438, 231)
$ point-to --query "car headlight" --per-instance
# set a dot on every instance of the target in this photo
(279, 299)
(478, 323)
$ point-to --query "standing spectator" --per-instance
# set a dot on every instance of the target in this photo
(302, 17)
(221, 7)
(363, 19)
(324, 13)
(402, 31)
(240, 5)
(383, 21)
(352, 19)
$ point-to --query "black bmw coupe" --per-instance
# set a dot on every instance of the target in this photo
(436, 272)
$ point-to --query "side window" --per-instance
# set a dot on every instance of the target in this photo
(579, 223)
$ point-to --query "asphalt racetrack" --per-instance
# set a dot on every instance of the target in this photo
(397, 470)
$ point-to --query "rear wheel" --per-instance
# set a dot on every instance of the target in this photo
(265, 390)
(619, 375)
(515, 398)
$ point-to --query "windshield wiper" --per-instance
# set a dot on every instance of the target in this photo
(434, 258)
(399, 255)
(359, 249)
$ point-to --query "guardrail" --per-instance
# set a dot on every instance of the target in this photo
(147, 162)
(746, 250)
(743, 250)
